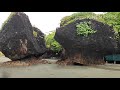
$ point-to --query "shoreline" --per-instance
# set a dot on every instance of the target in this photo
(53, 70)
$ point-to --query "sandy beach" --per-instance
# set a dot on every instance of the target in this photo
(56, 71)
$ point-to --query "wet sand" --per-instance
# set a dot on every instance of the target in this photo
(56, 71)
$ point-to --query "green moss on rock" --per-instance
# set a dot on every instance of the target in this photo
(35, 33)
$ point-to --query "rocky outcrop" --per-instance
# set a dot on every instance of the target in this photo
(19, 40)
(86, 50)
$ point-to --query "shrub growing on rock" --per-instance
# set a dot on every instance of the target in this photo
(84, 29)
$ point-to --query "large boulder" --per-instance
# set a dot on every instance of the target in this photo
(89, 49)
(19, 40)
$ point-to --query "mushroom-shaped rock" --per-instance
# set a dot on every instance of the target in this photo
(86, 41)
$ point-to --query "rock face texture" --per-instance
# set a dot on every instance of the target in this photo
(86, 50)
(18, 39)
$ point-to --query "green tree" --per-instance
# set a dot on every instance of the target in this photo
(112, 19)
(51, 43)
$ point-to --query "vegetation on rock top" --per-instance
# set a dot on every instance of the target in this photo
(110, 18)
(81, 15)
(84, 28)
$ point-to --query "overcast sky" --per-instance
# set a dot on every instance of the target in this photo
(45, 21)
